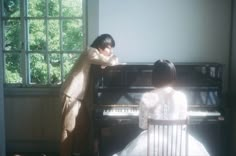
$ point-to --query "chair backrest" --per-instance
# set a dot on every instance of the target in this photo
(167, 137)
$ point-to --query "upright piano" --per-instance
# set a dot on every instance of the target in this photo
(118, 89)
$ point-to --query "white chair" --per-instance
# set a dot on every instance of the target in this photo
(167, 137)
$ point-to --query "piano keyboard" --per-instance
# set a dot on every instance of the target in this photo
(121, 112)
(133, 112)
(204, 113)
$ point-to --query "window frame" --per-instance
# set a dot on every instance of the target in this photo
(25, 52)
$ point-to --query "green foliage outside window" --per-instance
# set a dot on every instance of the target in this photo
(41, 40)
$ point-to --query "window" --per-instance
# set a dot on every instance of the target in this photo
(41, 40)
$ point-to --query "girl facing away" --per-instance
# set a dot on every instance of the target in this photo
(164, 103)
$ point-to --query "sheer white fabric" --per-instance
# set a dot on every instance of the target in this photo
(163, 103)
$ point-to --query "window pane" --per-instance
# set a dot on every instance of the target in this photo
(36, 8)
(53, 35)
(12, 30)
(68, 62)
(55, 69)
(12, 68)
(37, 36)
(41, 39)
(72, 8)
(11, 8)
(72, 35)
(53, 8)
(38, 69)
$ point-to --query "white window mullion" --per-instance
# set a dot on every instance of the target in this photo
(47, 53)
(24, 37)
(61, 53)
(2, 108)
(84, 17)
(29, 15)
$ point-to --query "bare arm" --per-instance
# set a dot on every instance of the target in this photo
(183, 106)
(143, 114)
(99, 59)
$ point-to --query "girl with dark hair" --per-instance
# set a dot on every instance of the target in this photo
(103, 41)
(164, 73)
(74, 113)
(163, 103)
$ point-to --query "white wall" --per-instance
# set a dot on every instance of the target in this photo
(92, 20)
(179, 30)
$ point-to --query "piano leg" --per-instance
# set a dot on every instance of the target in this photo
(96, 147)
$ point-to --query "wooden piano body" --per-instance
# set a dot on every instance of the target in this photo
(118, 89)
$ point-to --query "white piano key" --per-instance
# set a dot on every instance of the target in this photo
(129, 112)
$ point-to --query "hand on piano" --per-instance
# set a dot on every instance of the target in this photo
(103, 67)
(122, 63)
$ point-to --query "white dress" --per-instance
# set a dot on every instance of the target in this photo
(162, 103)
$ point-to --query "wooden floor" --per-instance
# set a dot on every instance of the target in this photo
(32, 154)
(116, 138)
(41, 154)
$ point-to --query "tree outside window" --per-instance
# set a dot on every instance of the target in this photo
(41, 40)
